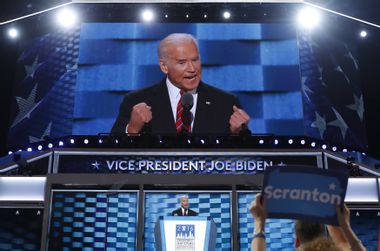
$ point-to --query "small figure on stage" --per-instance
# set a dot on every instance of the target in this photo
(184, 210)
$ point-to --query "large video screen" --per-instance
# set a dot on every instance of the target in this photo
(72, 82)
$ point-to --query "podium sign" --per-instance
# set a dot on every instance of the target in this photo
(185, 233)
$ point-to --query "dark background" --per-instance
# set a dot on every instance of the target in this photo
(368, 54)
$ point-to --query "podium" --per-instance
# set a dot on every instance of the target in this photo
(185, 233)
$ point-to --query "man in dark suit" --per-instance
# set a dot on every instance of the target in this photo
(184, 210)
(159, 106)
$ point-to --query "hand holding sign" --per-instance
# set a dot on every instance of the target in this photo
(303, 192)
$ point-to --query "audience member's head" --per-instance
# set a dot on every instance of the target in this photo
(319, 244)
(307, 231)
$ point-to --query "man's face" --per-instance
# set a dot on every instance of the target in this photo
(182, 65)
(184, 202)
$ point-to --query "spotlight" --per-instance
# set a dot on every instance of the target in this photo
(72, 141)
(313, 144)
(116, 141)
(187, 15)
(166, 15)
(308, 18)
(202, 141)
(10, 153)
(60, 143)
(226, 15)
(276, 141)
(13, 33)
(39, 148)
(363, 34)
(189, 141)
(67, 18)
(334, 148)
(19, 150)
(290, 141)
(303, 142)
(147, 15)
(50, 145)
(324, 147)
(344, 150)
(205, 16)
(217, 141)
(261, 141)
(29, 149)
(85, 141)
(100, 141)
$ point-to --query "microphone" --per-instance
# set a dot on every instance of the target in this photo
(187, 101)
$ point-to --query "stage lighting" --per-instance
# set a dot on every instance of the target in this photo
(276, 141)
(39, 148)
(29, 149)
(67, 18)
(10, 153)
(100, 141)
(50, 145)
(344, 150)
(261, 141)
(203, 141)
(147, 15)
(303, 142)
(290, 141)
(205, 16)
(313, 144)
(226, 15)
(324, 147)
(166, 15)
(363, 34)
(13, 33)
(60, 143)
(308, 18)
(334, 148)
(187, 15)
(85, 141)
(72, 141)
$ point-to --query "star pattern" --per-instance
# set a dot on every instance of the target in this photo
(26, 106)
(358, 106)
(31, 69)
(46, 133)
(319, 123)
(340, 123)
(96, 165)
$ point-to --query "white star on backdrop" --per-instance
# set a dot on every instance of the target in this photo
(340, 123)
(47, 132)
(306, 90)
(31, 69)
(358, 106)
(26, 106)
(320, 123)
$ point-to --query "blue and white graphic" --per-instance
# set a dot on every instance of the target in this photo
(185, 237)
(302, 192)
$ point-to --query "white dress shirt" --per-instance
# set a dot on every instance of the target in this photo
(175, 95)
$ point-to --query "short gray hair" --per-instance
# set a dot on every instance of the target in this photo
(174, 38)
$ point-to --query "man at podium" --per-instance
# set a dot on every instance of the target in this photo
(184, 209)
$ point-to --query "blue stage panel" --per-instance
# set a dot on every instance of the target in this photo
(206, 203)
(279, 232)
(96, 220)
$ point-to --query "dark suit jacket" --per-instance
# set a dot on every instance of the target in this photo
(178, 212)
(214, 109)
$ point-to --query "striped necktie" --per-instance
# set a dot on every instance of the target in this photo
(179, 123)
